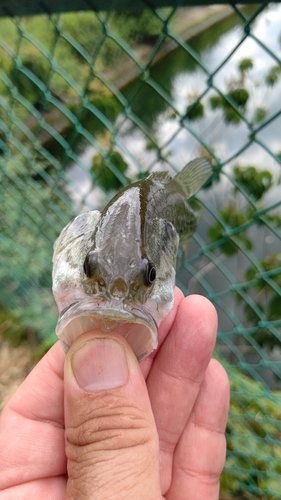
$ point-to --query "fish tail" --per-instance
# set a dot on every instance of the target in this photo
(193, 176)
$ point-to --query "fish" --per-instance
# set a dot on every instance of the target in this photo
(115, 270)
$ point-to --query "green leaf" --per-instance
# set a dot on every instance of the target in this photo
(256, 182)
(104, 173)
(273, 75)
(216, 101)
(245, 64)
(234, 219)
(259, 115)
(240, 96)
(195, 111)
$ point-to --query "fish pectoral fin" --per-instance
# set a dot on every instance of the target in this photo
(192, 177)
(82, 226)
(183, 218)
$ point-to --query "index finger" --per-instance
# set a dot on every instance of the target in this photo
(177, 373)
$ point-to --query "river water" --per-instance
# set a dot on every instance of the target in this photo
(182, 79)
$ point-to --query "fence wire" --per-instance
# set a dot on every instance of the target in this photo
(90, 101)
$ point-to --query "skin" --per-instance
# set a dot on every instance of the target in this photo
(158, 435)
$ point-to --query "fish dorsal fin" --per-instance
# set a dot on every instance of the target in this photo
(193, 176)
(159, 176)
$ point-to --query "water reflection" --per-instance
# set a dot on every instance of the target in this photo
(166, 139)
(182, 78)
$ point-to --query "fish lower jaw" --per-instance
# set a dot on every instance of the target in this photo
(134, 324)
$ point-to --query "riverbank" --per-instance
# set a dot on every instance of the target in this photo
(190, 23)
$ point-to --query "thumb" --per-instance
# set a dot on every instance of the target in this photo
(111, 439)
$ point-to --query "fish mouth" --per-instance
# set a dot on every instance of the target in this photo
(135, 324)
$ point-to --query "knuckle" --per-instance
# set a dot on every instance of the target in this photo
(109, 427)
(107, 446)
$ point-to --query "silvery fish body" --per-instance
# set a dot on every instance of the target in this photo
(115, 269)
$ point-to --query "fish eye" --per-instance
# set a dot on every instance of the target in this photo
(90, 264)
(149, 273)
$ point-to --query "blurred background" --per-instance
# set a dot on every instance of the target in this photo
(96, 97)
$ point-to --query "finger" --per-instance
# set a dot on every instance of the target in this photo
(163, 331)
(32, 425)
(111, 439)
(200, 454)
(177, 373)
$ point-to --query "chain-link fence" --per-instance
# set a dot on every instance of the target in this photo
(90, 101)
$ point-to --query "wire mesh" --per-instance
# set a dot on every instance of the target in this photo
(90, 101)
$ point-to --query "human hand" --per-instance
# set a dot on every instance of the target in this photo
(163, 438)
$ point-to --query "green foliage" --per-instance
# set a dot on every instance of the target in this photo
(11, 329)
(231, 115)
(264, 287)
(139, 26)
(273, 75)
(195, 111)
(265, 296)
(245, 65)
(259, 115)
(84, 28)
(253, 440)
(151, 145)
(131, 26)
(255, 182)
(233, 219)
(106, 104)
(215, 101)
(30, 222)
(26, 84)
(238, 93)
(239, 96)
(106, 170)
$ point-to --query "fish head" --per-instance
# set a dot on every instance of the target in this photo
(112, 300)
(124, 278)
(104, 276)
(117, 266)
(108, 280)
